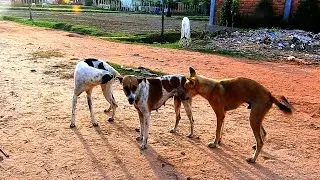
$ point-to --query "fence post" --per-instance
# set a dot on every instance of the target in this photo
(212, 8)
(287, 9)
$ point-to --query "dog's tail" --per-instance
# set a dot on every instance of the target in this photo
(284, 105)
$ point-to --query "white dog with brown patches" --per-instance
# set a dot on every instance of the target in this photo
(151, 93)
(88, 74)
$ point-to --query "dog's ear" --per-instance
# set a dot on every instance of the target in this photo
(190, 83)
(192, 72)
(120, 79)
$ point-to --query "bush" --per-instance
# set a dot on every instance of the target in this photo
(263, 16)
(88, 2)
(225, 13)
(307, 16)
(228, 12)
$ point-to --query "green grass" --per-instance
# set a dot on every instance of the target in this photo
(136, 72)
(61, 9)
(64, 26)
(170, 39)
(231, 53)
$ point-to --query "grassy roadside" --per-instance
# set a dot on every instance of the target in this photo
(170, 40)
(58, 9)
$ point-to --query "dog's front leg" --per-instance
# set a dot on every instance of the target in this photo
(177, 106)
(187, 107)
(146, 124)
(220, 119)
(141, 118)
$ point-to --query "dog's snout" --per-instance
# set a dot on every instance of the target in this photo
(131, 100)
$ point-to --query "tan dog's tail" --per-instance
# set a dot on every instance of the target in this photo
(284, 106)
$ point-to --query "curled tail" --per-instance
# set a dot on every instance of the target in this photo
(284, 105)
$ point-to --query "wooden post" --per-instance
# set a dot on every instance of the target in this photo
(30, 12)
(162, 19)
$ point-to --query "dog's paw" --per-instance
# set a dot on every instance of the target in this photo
(72, 125)
(139, 138)
(212, 145)
(110, 120)
(251, 160)
(107, 110)
(190, 135)
(254, 147)
(143, 146)
(172, 130)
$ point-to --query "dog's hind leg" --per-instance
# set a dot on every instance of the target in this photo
(187, 107)
(177, 106)
(107, 92)
(263, 134)
(256, 117)
(73, 113)
(109, 109)
(220, 121)
(89, 100)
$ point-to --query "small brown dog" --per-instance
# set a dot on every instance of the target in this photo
(229, 94)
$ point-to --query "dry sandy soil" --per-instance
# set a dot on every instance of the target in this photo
(35, 100)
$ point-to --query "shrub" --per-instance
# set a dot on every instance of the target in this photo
(88, 2)
(228, 12)
(307, 16)
(265, 14)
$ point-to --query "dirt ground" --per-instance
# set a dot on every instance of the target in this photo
(35, 100)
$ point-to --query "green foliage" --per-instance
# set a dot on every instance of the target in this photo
(228, 11)
(264, 13)
(88, 2)
(263, 16)
(307, 16)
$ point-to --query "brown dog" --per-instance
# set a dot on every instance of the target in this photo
(229, 94)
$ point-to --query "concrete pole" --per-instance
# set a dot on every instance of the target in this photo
(212, 7)
(287, 9)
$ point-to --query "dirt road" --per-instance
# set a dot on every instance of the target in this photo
(35, 101)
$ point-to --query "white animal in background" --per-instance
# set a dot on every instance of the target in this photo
(185, 39)
(45, 5)
(33, 4)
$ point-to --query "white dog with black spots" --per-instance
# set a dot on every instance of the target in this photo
(88, 74)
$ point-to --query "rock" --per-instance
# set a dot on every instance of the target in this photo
(291, 58)
(33, 70)
(183, 153)
(280, 46)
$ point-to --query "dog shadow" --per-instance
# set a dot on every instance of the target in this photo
(95, 161)
(113, 153)
(238, 168)
(159, 164)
